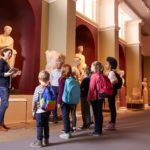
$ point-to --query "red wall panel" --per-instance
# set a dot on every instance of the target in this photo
(25, 18)
(86, 35)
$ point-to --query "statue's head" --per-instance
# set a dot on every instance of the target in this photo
(7, 29)
(80, 48)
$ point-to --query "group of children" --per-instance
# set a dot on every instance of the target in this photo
(88, 96)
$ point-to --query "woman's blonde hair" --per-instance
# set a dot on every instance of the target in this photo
(98, 66)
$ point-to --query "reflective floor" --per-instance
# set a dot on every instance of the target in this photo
(133, 133)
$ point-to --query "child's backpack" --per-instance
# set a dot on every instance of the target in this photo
(104, 87)
(71, 94)
(119, 84)
(48, 99)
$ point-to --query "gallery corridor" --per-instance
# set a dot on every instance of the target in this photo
(133, 133)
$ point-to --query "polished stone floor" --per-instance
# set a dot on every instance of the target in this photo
(133, 133)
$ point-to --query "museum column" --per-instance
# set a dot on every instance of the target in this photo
(108, 29)
(62, 21)
(133, 56)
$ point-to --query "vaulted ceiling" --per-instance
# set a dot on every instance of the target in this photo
(138, 6)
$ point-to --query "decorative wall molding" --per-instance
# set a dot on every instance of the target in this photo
(134, 44)
(50, 1)
(109, 28)
(87, 19)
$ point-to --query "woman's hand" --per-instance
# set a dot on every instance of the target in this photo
(18, 73)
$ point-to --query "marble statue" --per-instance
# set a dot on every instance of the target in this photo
(6, 41)
(75, 68)
(51, 58)
(122, 73)
(81, 57)
(145, 91)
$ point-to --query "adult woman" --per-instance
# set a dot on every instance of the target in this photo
(96, 103)
(5, 83)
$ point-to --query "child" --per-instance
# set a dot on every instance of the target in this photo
(97, 69)
(85, 107)
(111, 65)
(42, 116)
(64, 99)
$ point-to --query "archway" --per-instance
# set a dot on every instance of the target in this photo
(84, 37)
(21, 16)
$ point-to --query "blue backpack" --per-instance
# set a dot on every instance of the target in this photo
(47, 100)
(71, 94)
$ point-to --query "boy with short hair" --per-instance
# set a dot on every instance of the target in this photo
(42, 116)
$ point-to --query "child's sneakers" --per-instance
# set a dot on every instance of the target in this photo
(37, 143)
(110, 127)
(46, 142)
(65, 136)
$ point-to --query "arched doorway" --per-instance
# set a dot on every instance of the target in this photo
(84, 37)
(21, 16)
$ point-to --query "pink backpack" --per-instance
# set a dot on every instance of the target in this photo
(104, 87)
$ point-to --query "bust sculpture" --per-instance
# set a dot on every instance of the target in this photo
(6, 41)
(81, 57)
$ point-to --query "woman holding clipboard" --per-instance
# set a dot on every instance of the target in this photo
(5, 83)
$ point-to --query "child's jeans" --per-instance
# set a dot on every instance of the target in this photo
(73, 114)
(42, 124)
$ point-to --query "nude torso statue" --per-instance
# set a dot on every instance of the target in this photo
(6, 41)
(81, 57)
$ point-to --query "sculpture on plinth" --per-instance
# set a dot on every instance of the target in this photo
(122, 91)
(145, 92)
(81, 57)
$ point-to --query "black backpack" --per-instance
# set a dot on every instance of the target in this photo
(119, 84)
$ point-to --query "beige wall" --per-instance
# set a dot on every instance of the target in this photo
(71, 31)
(108, 29)
(133, 66)
(146, 45)
(108, 44)
(62, 15)
(44, 34)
